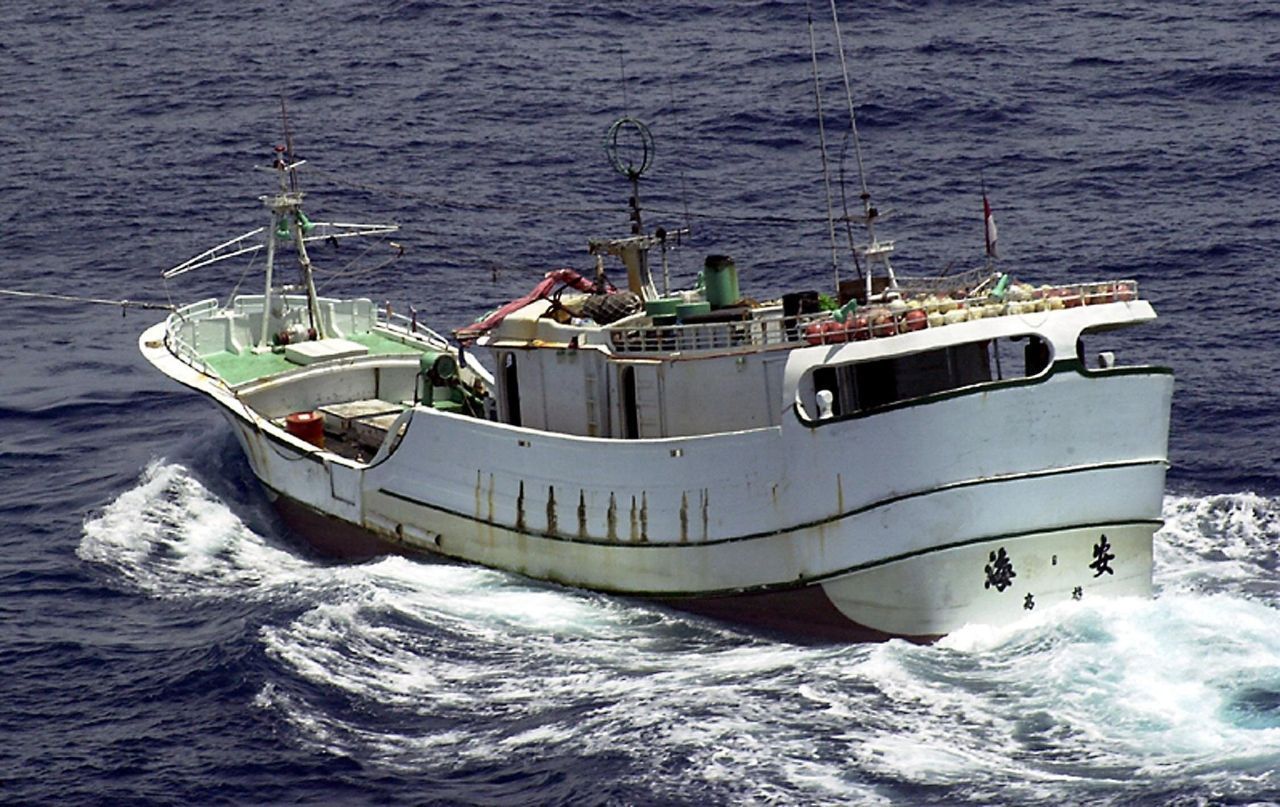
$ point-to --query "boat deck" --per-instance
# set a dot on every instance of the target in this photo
(239, 368)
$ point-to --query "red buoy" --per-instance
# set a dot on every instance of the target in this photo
(307, 426)
(916, 319)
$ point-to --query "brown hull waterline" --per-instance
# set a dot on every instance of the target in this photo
(803, 613)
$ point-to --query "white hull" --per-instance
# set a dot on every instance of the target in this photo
(893, 517)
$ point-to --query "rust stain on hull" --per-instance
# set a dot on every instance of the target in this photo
(553, 523)
(520, 509)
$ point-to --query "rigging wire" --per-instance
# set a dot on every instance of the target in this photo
(853, 120)
(438, 201)
(235, 289)
(348, 271)
(684, 188)
(72, 298)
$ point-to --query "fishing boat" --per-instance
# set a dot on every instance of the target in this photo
(909, 457)
(898, 457)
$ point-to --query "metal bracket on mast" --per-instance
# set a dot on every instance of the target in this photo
(633, 251)
(877, 254)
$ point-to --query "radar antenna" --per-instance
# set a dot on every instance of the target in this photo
(629, 145)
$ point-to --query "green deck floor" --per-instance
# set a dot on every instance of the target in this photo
(237, 368)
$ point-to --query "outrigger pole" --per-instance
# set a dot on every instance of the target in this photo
(72, 298)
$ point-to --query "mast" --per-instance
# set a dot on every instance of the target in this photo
(264, 341)
(288, 221)
(634, 251)
(875, 251)
(826, 169)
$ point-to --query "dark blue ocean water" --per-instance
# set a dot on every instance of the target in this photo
(163, 640)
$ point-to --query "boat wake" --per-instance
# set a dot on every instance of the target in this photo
(452, 672)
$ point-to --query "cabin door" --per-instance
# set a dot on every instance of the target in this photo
(774, 370)
(596, 398)
(641, 387)
(510, 382)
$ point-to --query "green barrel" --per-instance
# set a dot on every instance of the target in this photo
(721, 279)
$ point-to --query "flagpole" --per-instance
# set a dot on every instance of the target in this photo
(988, 225)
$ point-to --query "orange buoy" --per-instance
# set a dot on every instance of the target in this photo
(916, 319)
(307, 426)
(833, 332)
(859, 328)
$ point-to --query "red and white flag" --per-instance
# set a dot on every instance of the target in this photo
(990, 222)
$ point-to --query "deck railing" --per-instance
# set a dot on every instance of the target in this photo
(412, 327)
(770, 327)
(173, 330)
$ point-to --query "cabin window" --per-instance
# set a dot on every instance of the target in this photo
(511, 389)
(1096, 348)
(863, 386)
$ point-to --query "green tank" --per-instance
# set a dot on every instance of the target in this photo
(721, 279)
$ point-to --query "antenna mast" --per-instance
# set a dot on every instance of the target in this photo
(875, 251)
(853, 123)
(288, 222)
(288, 143)
(826, 170)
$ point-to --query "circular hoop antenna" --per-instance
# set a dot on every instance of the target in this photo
(630, 147)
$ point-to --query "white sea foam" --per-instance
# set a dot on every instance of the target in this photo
(1096, 694)
(439, 666)
(170, 536)
(1217, 542)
